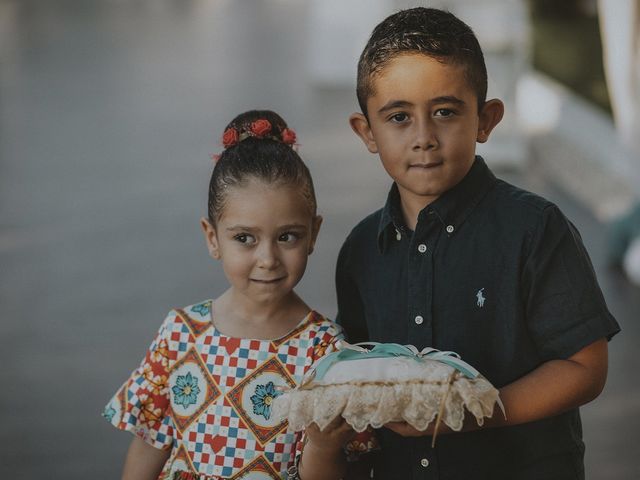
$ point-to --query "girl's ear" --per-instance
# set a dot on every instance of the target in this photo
(490, 115)
(360, 125)
(315, 228)
(210, 238)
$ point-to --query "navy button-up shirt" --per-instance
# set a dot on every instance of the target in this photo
(496, 274)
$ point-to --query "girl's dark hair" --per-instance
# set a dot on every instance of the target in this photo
(429, 31)
(264, 157)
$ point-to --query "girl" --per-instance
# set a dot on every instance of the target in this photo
(199, 405)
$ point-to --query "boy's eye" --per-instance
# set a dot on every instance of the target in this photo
(444, 112)
(288, 237)
(399, 117)
(244, 238)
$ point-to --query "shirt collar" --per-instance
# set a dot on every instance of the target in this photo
(452, 207)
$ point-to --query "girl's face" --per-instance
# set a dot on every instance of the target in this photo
(263, 238)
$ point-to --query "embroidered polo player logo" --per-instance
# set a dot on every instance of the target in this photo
(480, 298)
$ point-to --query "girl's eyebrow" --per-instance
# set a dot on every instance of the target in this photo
(297, 226)
(240, 227)
(293, 225)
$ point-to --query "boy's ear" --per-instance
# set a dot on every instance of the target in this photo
(490, 115)
(315, 228)
(210, 238)
(360, 125)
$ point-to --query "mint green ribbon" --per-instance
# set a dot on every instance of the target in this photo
(349, 352)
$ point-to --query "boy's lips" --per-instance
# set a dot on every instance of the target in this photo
(425, 165)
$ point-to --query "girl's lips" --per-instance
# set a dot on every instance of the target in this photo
(273, 280)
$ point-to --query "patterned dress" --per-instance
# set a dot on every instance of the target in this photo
(207, 397)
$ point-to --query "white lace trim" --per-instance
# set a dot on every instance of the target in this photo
(377, 402)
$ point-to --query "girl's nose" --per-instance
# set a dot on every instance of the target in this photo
(267, 256)
(425, 136)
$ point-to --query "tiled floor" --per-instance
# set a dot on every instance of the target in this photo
(108, 113)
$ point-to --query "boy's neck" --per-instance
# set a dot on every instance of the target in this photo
(411, 206)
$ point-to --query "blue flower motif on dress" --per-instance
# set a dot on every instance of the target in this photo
(202, 308)
(186, 390)
(263, 398)
(108, 413)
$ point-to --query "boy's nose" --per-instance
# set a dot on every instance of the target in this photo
(425, 137)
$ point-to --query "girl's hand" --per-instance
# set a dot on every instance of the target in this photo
(322, 456)
(406, 430)
(333, 437)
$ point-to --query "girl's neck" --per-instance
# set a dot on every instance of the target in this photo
(237, 316)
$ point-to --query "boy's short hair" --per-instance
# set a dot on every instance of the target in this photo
(432, 32)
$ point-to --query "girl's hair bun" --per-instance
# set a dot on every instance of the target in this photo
(258, 144)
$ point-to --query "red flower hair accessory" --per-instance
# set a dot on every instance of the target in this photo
(230, 137)
(260, 127)
(288, 136)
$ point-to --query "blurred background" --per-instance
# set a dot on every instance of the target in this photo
(110, 109)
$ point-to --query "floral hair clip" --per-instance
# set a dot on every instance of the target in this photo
(260, 128)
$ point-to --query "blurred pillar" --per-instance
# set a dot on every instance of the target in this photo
(620, 26)
(338, 31)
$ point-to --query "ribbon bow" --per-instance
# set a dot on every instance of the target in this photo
(349, 352)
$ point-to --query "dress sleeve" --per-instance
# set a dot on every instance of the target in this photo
(363, 442)
(326, 342)
(350, 309)
(141, 404)
(565, 308)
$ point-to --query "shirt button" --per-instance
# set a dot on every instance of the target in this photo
(422, 248)
(424, 462)
(418, 320)
(450, 228)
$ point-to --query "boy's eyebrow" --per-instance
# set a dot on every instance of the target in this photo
(447, 99)
(391, 104)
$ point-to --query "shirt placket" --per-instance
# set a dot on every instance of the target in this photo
(420, 283)
(420, 330)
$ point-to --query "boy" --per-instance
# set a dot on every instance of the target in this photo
(459, 260)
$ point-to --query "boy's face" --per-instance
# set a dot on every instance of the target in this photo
(424, 123)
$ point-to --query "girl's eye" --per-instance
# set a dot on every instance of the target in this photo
(288, 237)
(399, 117)
(444, 112)
(244, 238)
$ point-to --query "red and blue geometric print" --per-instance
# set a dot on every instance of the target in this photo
(207, 397)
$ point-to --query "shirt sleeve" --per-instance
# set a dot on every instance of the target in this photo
(565, 308)
(351, 314)
(141, 404)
